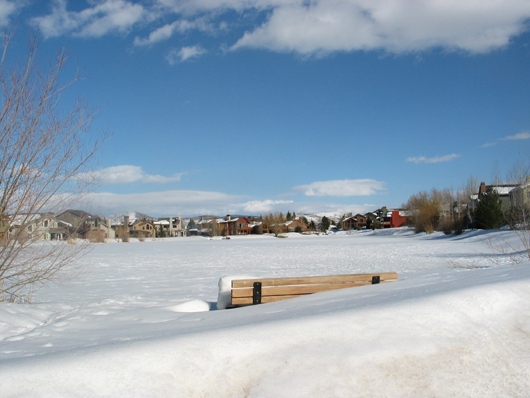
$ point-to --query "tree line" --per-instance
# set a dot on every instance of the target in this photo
(453, 211)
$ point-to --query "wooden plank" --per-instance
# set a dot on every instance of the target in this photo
(295, 289)
(313, 279)
(267, 299)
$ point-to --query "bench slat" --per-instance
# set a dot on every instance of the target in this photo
(266, 299)
(241, 283)
(295, 289)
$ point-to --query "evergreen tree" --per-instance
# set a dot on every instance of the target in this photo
(324, 224)
(489, 212)
(288, 216)
(191, 224)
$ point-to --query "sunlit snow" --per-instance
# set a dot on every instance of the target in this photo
(142, 321)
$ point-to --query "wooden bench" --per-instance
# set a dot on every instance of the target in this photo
(267, 290)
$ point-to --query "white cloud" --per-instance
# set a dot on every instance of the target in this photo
(488, 144)
(127, 174)
(190, 203)
(438, 159)
(263, 206)
(166, 31)
(361, 187)
(185, 53)
(8, 8)
(105, 16)
(315, 27)
(323, 26)
(163, 203)
(521, 136)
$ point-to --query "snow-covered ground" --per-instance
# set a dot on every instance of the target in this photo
(141, 321)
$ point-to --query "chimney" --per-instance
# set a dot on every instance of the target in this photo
(482, 189)
(180, 225)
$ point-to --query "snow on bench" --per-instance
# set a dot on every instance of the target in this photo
(250, 290)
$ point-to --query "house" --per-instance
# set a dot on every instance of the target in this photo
(142, 229)
(225, 226)
(234, 226)
(354, 222)
(37, 227)
(193, 232)
(208, 226)
(294, 225)
(86, 226)
(135, 228)
(520, 196)
(503, 190)
(393, 218)
(256, 225)
(171, 226)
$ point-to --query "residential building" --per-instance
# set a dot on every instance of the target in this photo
(354, 222)
(503, 190)
(171, 226)
(520, 196)
(86, 226)
(292, 226)
(142, 229)
(38, 227)
(394, 218)
(234, 226)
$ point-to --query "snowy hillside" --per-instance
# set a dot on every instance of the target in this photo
(142, 321)
(117, 219)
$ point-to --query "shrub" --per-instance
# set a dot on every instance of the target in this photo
(426, 208)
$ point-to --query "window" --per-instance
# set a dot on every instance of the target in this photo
(46, 223)
(30, 228)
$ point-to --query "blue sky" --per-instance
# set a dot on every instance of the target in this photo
(252, 106)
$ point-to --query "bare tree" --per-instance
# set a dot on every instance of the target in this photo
(518, 216)
(46, 153)
(214, 225)
(276, 223)
(519, 172)
(467, 199)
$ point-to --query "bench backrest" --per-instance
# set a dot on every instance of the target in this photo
(266, 290)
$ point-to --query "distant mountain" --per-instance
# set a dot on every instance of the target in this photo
(133, 215)
(317, 217)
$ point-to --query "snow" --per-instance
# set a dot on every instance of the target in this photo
(224, 296)
(144, 320)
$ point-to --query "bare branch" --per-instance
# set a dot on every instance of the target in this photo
(45, 148)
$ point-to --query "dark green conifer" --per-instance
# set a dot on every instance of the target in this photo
(489, 212)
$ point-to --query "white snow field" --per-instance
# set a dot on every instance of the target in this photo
(142, 321)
